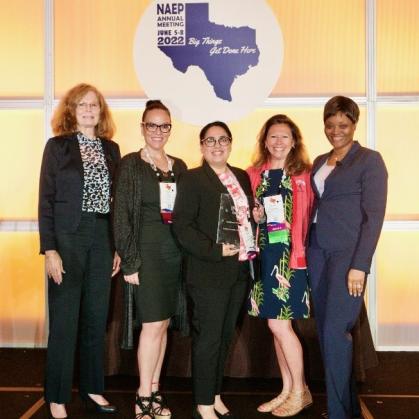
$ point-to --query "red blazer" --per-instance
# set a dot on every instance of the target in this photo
(302, 203)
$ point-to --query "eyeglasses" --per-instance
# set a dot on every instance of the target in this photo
(92, 106)
(151, 127)
(211, 141)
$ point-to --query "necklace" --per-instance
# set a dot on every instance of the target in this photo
(154, 166)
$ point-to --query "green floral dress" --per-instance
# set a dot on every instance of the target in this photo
(278, 292)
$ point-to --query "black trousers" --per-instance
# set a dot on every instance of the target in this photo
(335, 312)
(80, 301)
(215, 312)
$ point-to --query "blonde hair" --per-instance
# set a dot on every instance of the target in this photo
(64, 118)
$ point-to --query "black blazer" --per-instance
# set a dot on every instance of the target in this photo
(61, 186)
(195, 225)
(351, 211)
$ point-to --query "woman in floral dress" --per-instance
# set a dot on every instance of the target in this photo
(281, 182)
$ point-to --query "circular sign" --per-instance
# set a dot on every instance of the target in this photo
(208, 61)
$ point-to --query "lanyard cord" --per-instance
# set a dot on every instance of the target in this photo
(265, 175)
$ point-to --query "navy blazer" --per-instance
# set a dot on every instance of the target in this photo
(195, 225)
(61, 186)
(350, 213)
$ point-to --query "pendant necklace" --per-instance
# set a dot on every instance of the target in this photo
(154, 167)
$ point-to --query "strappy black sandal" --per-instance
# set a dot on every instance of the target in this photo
(158, 399)
(146, 406)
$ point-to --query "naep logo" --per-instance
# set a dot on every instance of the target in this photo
(208, 60)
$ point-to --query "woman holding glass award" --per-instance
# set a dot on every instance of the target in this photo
(212, 223)
(280, 178)
(150, 256)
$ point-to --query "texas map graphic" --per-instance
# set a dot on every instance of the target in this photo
(222, 52)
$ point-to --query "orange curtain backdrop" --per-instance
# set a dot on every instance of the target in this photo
(324, 47)
(397, 288)
(23, 143)
(22, 49)
(94, 43)
(397, 47)
(398, 141)
(22, 290)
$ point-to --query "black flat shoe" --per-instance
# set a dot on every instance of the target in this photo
(227, 415)
(92, 405)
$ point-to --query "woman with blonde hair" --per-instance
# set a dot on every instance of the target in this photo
(280, 178)
(75, 191)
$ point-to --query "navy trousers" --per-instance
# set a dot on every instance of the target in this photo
(80, 302)
(335, 312)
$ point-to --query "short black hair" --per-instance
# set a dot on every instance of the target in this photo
(341, 104)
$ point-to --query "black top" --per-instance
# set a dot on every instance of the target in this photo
(195, 225)
(61, 186)
(128, 216)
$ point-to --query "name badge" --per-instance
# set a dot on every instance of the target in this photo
(274, 209)
(275, 219)
(167, 201)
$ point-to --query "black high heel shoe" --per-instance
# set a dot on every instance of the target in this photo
(158, 399)
(92, 405)
(146, 406)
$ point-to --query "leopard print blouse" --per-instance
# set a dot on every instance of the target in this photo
(97, 184)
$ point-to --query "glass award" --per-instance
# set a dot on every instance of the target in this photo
(227, 231)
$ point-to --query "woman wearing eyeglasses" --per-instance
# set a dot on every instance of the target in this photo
(217, 267)
(75, 190)
(150, 256)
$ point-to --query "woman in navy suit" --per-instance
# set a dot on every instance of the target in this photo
(350, 185)
(77, 172)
